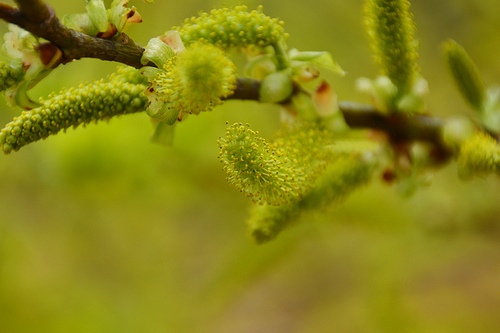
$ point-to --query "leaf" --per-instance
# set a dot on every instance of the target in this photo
(98, 15)
(157, 52)
(321, 59)
(163, 134)
(81, 23)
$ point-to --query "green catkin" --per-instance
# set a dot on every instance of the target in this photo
(89, 102)
(196, 80)
(9, 75)
(391, 29)
(228, 27)
(343, 175)
(466, 74)
(259, 170)
(128, 74)
(479, 155)
(276, 172)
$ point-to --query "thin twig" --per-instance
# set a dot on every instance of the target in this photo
(39, 18)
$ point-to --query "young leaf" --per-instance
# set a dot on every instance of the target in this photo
(320, 59)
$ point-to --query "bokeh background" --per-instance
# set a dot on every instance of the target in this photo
(103, 231)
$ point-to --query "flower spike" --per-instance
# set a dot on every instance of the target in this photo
(391, 28)
(194, 80)
(99, 100)
(227, 27)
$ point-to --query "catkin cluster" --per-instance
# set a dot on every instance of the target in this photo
(9, 75)
(229, 27)
(276, 172)
(343, 175)
(479, 155)
(89, 102)
(195, 80)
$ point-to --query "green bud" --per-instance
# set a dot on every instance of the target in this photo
(466, 74)
(319, 59)
(193, 81)
(97, 14)
(80, 22)
(276, 87)
(275, 172)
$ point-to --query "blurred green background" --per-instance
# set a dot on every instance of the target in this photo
(102, 231)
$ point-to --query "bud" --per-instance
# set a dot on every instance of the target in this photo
(466, 74)
(195, 80)
(276, 87)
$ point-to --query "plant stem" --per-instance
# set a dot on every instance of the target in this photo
(39, 18)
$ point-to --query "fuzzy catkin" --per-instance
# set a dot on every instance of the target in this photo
(343, 175)
(276, 172)
(227, 27)
(479, 155)
(391, 29)
(89, 102)
(9, 75)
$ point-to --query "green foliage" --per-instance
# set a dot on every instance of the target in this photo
(102, 22)
(486, 102)
(466, 74)
(301, 167)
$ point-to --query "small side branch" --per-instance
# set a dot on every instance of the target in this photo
(39, 18)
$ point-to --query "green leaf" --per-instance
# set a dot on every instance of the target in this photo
(157, 52)
(163, 134)
(98, 15)
(321, 59)
(256, 61)
(81, 23)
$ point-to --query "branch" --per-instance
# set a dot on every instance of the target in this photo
(400, 127)
(39, 18)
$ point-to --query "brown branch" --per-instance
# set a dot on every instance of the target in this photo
(39, 18)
